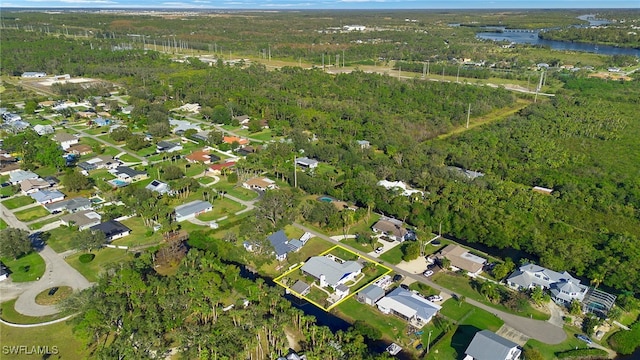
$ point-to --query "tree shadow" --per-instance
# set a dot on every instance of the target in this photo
(462, 338)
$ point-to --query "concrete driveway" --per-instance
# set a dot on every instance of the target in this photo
(57, 273)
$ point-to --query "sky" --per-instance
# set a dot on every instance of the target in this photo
(325, 4)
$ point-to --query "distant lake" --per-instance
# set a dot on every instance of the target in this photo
(528, 37)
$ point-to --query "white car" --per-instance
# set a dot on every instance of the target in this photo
(428, 273)
(435, 298)
(379, 250)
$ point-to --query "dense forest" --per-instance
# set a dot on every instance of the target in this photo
(621, 36)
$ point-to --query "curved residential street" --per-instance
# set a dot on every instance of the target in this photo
(543, 331)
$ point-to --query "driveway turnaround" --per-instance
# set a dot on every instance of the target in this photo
(57, 273)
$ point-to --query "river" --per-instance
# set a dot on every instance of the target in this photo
(521, 36)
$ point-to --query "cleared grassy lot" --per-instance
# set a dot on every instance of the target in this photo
(58, 337)
(104, 257)
(17, 202)
(28, 267)
(31, 213)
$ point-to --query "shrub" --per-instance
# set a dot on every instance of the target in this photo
(86, 258)
(625, 342)
(582, 354)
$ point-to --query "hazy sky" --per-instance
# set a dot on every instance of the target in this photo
(325, 4)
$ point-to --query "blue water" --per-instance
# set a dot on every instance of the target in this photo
(325, 199)
(533, 39)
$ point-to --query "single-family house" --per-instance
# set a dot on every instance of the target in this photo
(412, 307)
(363, 144)
(80, 149)
(217, 169)
(4, 272)
(18, 176)
(260, 184)
(564, 288)
(34, 74)
(246, 150)
(190, 107)
(65, 139)
(18, 126)
(469, 174)
(202, 156)
(166, 146)
(43, 129)
(487, 345)
(43, 197)
(330, 272)
(191, 209)
(99, 162)
(159, 187)
(282, 245)
(112, 230)
(462, 259)
(71, 205)
(370, 295)
(399, 186)
(232, 139)
(392, 228)
(301, 288)
(82, 219)
(201, 136)
(179, 127)
(542, 190)
(307, 163)
(11, 117)
(128, 174)
(242, 119)
(100, 121)
(29, 186)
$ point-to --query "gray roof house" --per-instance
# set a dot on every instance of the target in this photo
(330, 272)
(43, 129)
(409, 306)
(306, 162)
(127, 173)
(393, 228)
(65, 139)
(301, 287)
(166, 146)
(282, 245)
(489, 346)
(43, 197)
(82, 219)
(564, 288)
(370, 295)
(17, 176)
(71, 205)
(191, 209)
(112, 230)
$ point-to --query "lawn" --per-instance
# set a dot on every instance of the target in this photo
(221, 207)
(129, 158)
(393, 256)
(549, 351)
(10, 314)
(31, 214)
(140, 234)
(28, 267)
(58, 238)
(234, 190)
(3, 225)
(96, 131)
(17, 202)
(111, 151)
(392, 327)
(461, 285)
(354, 243)
(104, 256)
(39, 225)
(7, 191)
(58, 337)
(205, 180)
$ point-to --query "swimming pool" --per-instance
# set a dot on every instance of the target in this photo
(118, 182)
(325, 199)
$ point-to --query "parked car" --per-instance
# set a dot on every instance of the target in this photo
(584, 338)
(379, 250)
(436, 243)
(53, 291)
(397, 277)
(435, 298)
(428, 273)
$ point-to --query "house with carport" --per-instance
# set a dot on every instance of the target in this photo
(410, 306)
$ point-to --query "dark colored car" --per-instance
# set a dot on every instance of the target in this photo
(53, 291)
(397, 277)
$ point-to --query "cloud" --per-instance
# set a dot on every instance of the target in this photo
(288, 5)
(88, 2)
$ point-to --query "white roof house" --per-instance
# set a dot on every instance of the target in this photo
(412, 307)
(159, 187)
(43, 197)
(404, 189)
(191, 209)
(65, 140)
(564, 288)
(306, 162)
(17, 176)
(43, 129)
(330, 272)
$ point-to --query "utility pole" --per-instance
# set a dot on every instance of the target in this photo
(428, 67)
(323, 62)
(269, 52)
(429, 341)
(342, 57)
(399, 71)
(458, 74)
(424, 70)
(468, 114)
(295, 173)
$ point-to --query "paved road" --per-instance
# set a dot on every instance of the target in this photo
(537, 329)
(120, 148)
(57, 273)
(11, 219)
(221, 129)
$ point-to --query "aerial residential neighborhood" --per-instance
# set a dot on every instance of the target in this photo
(319, 184)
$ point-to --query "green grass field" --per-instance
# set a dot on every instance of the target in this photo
(40, 224)
(29, 267)
(10, 314)
(393, 256)
(129, 158)
(58, 238)
(58, 337)
(221, 207)
(139, 234)
(31, 213)
(18, 202)
(7, 191)
(3, 225)
(104, 257)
